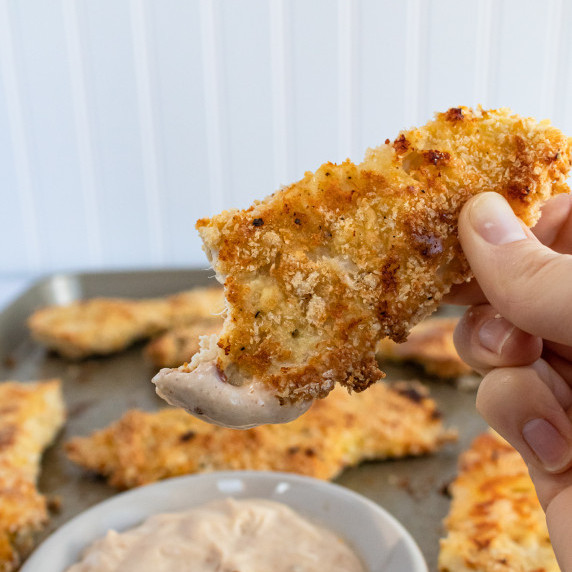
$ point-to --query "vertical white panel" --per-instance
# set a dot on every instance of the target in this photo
(282, 91)
(563, 104)
(18, 232)
(245, 36)
(554, 55)
(315, 77)
(177, 66)
(450, 62)
(215, 103)
(348, 79)
(486, 48)
(416, 49)
(13, 258)
(142, 55)
(83, 120)
(382, 70)
(521, 56)
(46, 98)
(125, 237)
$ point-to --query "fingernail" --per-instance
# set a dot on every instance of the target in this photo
(492, 218)
(494, 333)
(547, 443)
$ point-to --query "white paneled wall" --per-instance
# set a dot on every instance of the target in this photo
(123, 121)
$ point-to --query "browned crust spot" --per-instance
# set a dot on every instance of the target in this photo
(401, 145)
(454, 114)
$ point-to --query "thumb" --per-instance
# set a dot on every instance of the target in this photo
(526, 282)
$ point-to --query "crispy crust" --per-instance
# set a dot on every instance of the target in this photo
(179, 345)
(103, 326)
(496, 523)
(31, 414)
(337, 432)
(430, 344)
(318, 272)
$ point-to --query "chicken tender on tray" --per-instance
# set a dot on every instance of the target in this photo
(31, 414)
(429, 344)
(337, 432)
(318, 272)
(496, 522)
(101, 326)
(177, 346)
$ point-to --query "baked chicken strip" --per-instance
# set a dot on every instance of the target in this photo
(318, 272)
(101, 326)
(337, 432)
(31, 414)
(179, 345)
(495, 523)
(429, 344)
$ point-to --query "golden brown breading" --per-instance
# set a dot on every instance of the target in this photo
(337, 432)
(102, 326)
(31, 414)
(429, 344)
(319, 271)
(177, 346)
(496, 523)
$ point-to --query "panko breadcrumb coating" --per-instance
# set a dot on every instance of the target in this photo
(31, 414)
(337, 432)
(430, 345)
(318, 272)
(496, 523)
(101, 326)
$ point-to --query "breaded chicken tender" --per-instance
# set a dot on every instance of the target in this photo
(101, 326)
(318, 272)
(31, 414)
(179, 345)
(429, 344)
(337, 432)
(495, 523)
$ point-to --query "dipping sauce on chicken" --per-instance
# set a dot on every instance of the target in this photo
(230, 535)
(212, 399)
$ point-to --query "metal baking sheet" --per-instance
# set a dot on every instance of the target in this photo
(98, 391)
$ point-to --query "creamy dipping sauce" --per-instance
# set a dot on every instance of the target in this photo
(229, 535)
(203, 393)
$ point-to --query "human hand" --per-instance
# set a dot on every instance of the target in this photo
(518, 333)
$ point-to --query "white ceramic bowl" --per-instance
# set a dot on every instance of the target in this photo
(381, 542)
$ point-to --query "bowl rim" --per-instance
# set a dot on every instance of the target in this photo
(35, 558)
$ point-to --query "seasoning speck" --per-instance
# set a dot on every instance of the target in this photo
(257, 222)
(187, 436)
